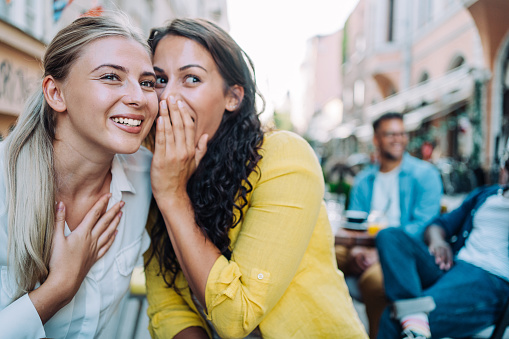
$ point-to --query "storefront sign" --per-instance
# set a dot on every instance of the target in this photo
(17, 82)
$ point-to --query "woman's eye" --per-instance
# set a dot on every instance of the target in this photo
(191, 79)
(112, 77)
(148, 83)
(160, 80)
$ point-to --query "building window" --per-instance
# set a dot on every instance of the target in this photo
(390, 22)
(358, 93)
(506, 77)
(423, 78)
(347, 98)
(30, 15)
(4, 10)
(425, 12)
(457, 62)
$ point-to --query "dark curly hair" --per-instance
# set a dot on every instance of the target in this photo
(220, 184)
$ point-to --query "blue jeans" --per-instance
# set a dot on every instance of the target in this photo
(468, 298)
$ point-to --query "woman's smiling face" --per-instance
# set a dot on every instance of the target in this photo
(187, 71)
(109, 95)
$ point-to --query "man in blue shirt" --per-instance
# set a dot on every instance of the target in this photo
(456, 281)
(404, 190)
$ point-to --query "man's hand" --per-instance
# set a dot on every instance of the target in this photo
(361, 258)
(438, 247)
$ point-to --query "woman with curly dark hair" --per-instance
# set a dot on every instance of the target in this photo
(242, 245)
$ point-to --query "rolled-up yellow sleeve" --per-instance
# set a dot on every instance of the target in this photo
(272, 239)
(169, 313)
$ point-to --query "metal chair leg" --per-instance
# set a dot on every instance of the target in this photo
(137, 321)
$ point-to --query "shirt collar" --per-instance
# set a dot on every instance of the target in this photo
(403, 166)
(119, 180)
(119, 183)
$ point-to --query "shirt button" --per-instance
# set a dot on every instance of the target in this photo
(454, 238)
(260, 276)
(465, 234)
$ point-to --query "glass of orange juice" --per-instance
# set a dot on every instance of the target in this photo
(376, 222)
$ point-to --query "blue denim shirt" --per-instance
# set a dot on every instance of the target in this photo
(420, 192)
(459, 222)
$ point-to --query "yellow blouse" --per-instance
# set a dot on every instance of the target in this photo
(282, 275)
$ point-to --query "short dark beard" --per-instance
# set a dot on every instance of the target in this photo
(388, 156)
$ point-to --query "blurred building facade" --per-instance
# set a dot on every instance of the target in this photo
(26, 26)
(490, 17)
(442, 63)
(23, 27)
(321, 70)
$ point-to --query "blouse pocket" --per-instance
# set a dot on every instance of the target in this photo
(127, 257)
(125, 261)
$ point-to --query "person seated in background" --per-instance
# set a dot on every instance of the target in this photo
(407, 190)
(455, 282)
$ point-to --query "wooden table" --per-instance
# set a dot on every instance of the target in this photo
(350, 238)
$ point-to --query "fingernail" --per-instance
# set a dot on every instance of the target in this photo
(180, 104)
(122, 203)
(60, 206)
(163, 104)
(160, 120)
(120, 214)
(172, 99)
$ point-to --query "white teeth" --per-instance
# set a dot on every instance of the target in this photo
(127, 122)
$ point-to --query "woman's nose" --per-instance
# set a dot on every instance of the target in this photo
(167, 91)
(135, 96)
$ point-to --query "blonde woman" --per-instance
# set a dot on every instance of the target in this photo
(70, 165)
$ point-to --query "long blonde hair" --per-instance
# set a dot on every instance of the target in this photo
(31, 182)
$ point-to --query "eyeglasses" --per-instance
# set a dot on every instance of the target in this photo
(393, 134)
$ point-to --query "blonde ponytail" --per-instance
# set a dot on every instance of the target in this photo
(31, 194)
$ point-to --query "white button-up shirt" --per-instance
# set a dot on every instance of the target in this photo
(98, 298)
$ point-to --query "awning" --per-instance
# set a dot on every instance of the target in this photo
(446, 104)
(454, 86)
(343, 131)
(443, 95)
(364, 132)
(415, 118)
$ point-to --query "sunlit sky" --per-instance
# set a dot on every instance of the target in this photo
(274, 34)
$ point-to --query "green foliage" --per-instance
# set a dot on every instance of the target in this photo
(344, 50)
(283, 121)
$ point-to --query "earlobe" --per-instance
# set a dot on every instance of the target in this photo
(53, 94)
(234, 97)
(375, 141)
